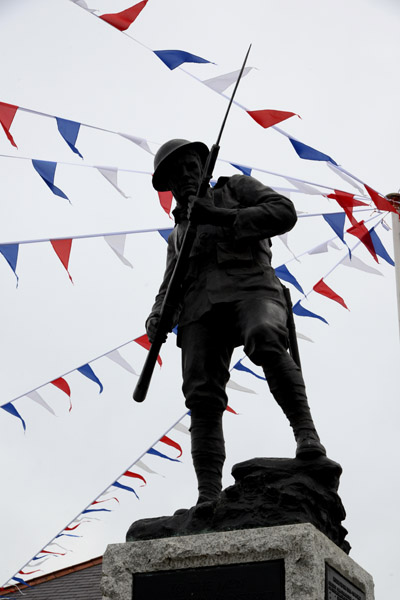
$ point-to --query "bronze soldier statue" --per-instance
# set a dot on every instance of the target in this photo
(230, 296)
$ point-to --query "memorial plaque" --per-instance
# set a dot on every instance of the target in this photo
(338, 587)
(247, 581)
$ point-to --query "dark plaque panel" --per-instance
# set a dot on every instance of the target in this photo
(338, 587)
(247, 581)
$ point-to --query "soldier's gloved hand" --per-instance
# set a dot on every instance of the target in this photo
(202, 211)
(151, 327)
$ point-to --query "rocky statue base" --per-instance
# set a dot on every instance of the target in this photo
(290, 562)
(267, 492)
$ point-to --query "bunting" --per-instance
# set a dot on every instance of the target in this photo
(47, 169)
(380, 201)
(283, 273)
(7, 114)
(116, 356)
(360, 231)
(240, 367)
(69, 131)
(244, 170)
(239, 388)
(111, 174)
(166, 440)
(63, 250)
(155, 452)
(165, 199)
(36, 397)
(124, 487)
(267, 118)
(88, 372)
(336, 222)
(117, 245)
(62, 385)
(321, 288)
(165, 233)
(347, 202)
(379, 247)
(135, 476)
(299, 310)
(10, 253)
(220, 83)
(144, 341)
(125, 18)
(139, 141)
(10, 408)
(308, 153)
(174, 58)
(357, 263)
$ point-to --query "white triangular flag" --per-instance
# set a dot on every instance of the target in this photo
(182, 428)
(284, 239)
(222, 82)
(303, 187)
(319, 249)
(36, 397)
(345, 177)
(357, 263)
(239, 388)
(304, 337)
(141, 142)
(143, 466)
(83, 4)
(111, 174)
(117, 244)
(120, 360)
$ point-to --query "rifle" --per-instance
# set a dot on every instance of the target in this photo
(172, 293)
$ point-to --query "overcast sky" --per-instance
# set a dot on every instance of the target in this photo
(336, 65)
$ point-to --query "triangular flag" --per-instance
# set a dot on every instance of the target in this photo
(139, 141)
(267, 118)
(284, 239)
(239, 367)
(239, 388)
(69, 131)
(83, 4)
(62, 385)
(283, 273)
(36, 397)
(347, 202)
(165, 233)
(230, 409)
(117, 244)
(7, 114)
(299, 310)
(165, 201)
(301, 336)
(338, 171)
(321, 288)
(111, 174)
(88, 372)
(120, 360)
(245, 170)
(360, 231)
(308, 153)
(379, 247)
(336, 221)
(144, 341)
(10, 253)
(303, 187)
(174, 58)
(222, 82)
(135, 476)
(182, 428)
(167, 440)
(47, 170)
(143, 466)
(10, 408)
(125, 18)
(124, 487)
(380, 201)
(161, 455)
(63, 249)
(357, 263)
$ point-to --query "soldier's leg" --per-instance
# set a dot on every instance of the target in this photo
(263, 326)
(206, 356)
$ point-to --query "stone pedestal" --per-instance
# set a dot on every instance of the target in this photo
(289, 562)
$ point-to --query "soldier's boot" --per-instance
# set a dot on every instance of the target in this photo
(286, 383)
(208, 453)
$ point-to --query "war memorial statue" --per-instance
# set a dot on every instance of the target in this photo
(230, 296)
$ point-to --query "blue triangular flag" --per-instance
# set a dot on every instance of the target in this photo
(309, 153)
(245, 170)
(283, 273)
(69, 131)
(10, 408)
(336, 221)
(240, 367)
(175, 58)
(161, 455)
(165, 233)
(21, 581)
(125, 487)
(88, 372)
(379, 247)
(47, 170)
(90, 510)
(299, 310)
(10, 253)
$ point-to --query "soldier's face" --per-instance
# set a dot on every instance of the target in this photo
(184, 176)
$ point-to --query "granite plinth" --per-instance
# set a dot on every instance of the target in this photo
(305, 551)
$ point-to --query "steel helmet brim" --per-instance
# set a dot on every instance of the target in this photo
(166, 155)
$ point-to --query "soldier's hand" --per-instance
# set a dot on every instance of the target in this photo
(152, 326)
(202, 211)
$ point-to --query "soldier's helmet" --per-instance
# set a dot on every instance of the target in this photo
(165, 156)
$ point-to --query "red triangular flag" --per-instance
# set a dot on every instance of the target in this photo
(380, 202)
(63, 249)
(125, 18)
(321, 288)
(144, 341)
(165, 201)
(7, 114)
(132, 474)
(360, 231)
(229, 409)
(347, 202)
(62, 385)
(267, 118)
(166, 440)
